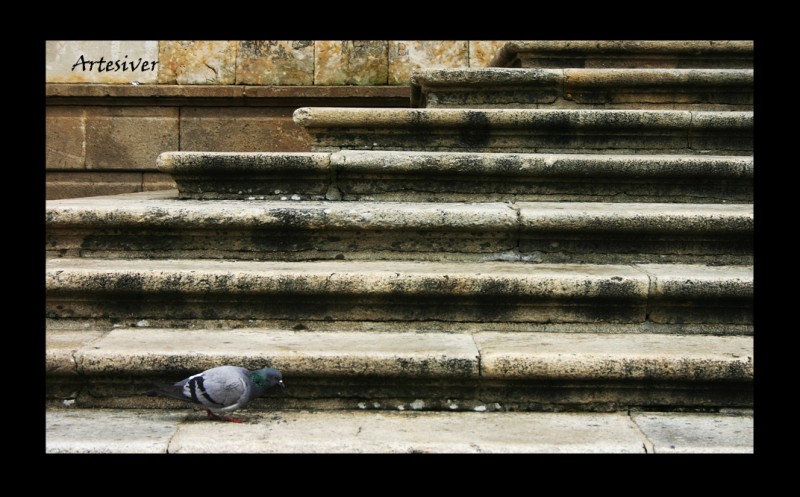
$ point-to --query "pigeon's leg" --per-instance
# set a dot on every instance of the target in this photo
(213, 416)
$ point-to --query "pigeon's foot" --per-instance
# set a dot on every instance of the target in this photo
(215, 417)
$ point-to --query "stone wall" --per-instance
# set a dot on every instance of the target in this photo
(113, 106)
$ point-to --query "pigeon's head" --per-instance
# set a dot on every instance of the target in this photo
(267, 377)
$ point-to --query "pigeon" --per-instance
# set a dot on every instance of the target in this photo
(223, 389)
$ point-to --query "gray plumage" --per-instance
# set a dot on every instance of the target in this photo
(223, 389)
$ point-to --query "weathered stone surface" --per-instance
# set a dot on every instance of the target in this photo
(419, 432)
(129, 137)
(242, 175)
(579, 356)
(183, 290)
(683, 432)
(61, 57)
(193, 62)
(65, 129)
(481, 52)
(671, 89)
(722, 294)
(272, 62)
(408, 56)
(627, 53)
(351, 62)
(60, 348)
(61, 185)
(160, 226)
(241, 129)
(82, 431)
(296, 354)
(529, 130)
(461, 176)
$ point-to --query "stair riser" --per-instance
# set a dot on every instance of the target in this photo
(633, 62)
(594, 248)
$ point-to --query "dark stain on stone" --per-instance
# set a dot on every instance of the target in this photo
(477, 131)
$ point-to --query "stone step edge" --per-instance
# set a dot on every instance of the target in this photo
(473, 356)
(623, 48)
(566, 83)
(163, 210)
(640, 282)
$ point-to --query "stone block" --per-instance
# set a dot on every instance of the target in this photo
(271, 62)
(481, 52)
(241, 129)
(351, 62)
(694, 433)
(157, 181)
(68, 61)
(65, 131)
(407, 56)
(60, 185)
(129, 137)
(189, 62)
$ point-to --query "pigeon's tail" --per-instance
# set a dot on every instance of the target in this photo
(167, 390)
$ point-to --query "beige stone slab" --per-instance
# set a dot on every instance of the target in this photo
(697, 280)
(195, 62)
(295, 353)
(104, 431)
(687, 433)
(157, 182)
(62, 184)
(62, 57)
(275, 62)
(481, 52)
(351, 62)
(578, 356)
(65, 131)
(60, 348)
(241, 129)
(407, 56)
(129, 137)
(417, 432)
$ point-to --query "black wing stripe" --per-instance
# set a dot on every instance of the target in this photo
(199, 383)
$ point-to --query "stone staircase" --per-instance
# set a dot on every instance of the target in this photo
(572, 234)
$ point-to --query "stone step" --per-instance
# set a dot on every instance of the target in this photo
(181, 292)
(460, 176)
(159, 225)
(626, 54)
(529, 130)
(178, 431)
(343, 369)
(672, 89)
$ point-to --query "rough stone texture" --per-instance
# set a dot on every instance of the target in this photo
(673, 432)
(578, 356)
(129, 137)
(296, 354)
(74, 431)
(481, 52)
(272, 62)
(685, 293)
(627, 53)
(62, 55)
(408, 56)
(419, 432)
(240, 175)
(351, 62)
(671, 89)
(60, 185)
(60, 348)
(343, 290)
(240, 129)
(160, 226)
(191, 62)
(459, 176)
(529, 130)
(66, 137)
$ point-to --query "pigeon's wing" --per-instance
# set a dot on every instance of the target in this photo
(221, 389)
